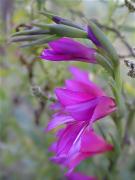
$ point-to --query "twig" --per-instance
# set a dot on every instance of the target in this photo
(29, 66)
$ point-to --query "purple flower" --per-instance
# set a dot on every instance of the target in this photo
(79, 104)
(69, 50)
(82, 99)
(79, 176)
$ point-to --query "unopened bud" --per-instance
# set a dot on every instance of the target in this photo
(100, 40)
(59, 20)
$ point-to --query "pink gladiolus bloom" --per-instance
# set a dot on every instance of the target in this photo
(79, 105)
(79, 176)
(69, 50)
(82, 100)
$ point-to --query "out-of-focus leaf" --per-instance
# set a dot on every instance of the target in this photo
(40, 4)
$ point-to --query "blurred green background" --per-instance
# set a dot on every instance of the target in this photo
(23, 143)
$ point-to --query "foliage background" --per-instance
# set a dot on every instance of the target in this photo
(23, 116)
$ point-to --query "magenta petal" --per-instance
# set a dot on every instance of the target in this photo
(79, 176)
(106, 105)
(83, 77)
(90, 87)
(53, 56)
(58, 120)
(68, 97)
(74, 85)
(82, 111)
(92, 110)
(72, 161)
(93, 143)
(68, 137)
(69, 46)
(79, 74)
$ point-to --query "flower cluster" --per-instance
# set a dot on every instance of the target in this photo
(80, 103)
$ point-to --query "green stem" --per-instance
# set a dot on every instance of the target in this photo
(118, 91)
(128, 125)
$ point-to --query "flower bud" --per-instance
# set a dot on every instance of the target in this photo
(100, 40)
(63, 30)
(59, 20)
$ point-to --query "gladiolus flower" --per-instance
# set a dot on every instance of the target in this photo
(79, 105)
(82, 100)
(69, 50)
